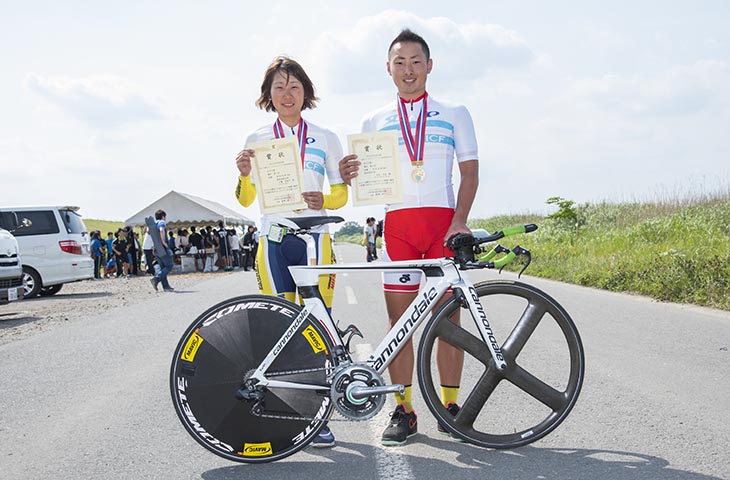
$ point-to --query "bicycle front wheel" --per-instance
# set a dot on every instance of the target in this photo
(545, 366)
(212, 359)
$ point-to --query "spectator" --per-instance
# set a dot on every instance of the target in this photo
(147, 247)
(196, 240)
(121, 253)
(96, 254)
(166, 261)
(233, 242)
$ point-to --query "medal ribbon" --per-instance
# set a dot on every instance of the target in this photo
(414, 147)
(301, 135)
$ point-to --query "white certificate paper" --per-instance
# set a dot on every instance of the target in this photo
(277, 168)
(379, 179)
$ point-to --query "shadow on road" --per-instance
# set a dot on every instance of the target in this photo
(356, 462)
(68, 296)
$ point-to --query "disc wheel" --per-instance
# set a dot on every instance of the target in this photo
(545, 365)
(212, 360)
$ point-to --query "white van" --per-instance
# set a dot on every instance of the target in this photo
(54, 247)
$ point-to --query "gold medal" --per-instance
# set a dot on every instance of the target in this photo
(418, 174)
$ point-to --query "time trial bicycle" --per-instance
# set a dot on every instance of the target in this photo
(255, 378)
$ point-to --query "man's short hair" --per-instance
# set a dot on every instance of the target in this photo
(159, 214)
(407, 36)
(288, 67)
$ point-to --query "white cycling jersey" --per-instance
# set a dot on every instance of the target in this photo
(321, 157)
(449, 134)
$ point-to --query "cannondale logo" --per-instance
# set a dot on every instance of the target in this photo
(405, 278)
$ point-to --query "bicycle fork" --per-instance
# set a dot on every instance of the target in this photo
(470, 299)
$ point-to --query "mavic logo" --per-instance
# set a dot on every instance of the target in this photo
(256, 449)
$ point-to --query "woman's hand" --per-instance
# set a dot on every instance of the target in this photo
(315, 200)
(243, 161)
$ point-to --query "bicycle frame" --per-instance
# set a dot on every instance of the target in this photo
(441, 274)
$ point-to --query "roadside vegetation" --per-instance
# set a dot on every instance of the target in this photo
(671, 251)
(676, 250)
(103, 226)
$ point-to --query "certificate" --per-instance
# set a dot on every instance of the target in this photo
(379, 179)
(277, 168)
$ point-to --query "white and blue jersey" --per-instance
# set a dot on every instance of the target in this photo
(449, 135)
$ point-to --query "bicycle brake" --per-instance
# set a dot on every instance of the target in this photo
(525, 252)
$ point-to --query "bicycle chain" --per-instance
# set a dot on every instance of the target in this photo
(279, 416)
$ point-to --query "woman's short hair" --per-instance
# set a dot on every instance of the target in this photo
(287, 67)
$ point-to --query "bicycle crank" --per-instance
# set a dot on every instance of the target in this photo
(358, 391)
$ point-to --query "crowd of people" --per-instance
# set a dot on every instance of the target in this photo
(121, 255)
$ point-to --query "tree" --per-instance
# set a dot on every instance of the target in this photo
(350, 228)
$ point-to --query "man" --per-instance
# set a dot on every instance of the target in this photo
(224, 246)
(196, 240)
(165, 261)
(429, 214)
(369, 238)
(97, 254)
(147, 248)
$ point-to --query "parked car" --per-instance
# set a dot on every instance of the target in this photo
(54, 247)
(11, 267)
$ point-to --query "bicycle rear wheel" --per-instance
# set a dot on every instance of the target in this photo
(544, 374)
(212, 359)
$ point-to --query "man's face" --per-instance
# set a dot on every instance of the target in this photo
(408, 66)
(287, 95)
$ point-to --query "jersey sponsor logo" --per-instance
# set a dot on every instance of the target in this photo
(314, 166)
(405, 278)
(193, 422)
(433, 113)
(256, 450)
(191, 347)
(310, 140)
(314, 339)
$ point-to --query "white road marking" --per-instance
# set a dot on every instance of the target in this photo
(350, 294)
(390, 462)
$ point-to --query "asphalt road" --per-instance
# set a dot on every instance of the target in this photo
(89, 399)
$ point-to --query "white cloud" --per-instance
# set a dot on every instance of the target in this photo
(353, 61)
(681, 90)
(102, 101)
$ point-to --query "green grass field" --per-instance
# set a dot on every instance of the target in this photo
(677, 251)
(103, 226)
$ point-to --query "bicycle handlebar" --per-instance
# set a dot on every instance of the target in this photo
(469, 254)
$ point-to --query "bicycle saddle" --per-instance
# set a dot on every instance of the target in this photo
(304, 223)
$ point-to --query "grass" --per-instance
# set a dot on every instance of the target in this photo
(671, 251)
(103, 226)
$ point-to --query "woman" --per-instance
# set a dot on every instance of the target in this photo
(287, 90)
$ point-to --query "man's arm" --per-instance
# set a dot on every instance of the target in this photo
(469, 172)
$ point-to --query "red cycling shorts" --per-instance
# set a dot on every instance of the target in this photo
(412, 234)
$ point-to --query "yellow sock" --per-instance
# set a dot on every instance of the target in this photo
(406, 399)
(449, 394)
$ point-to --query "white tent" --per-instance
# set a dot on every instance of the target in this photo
(185, 210)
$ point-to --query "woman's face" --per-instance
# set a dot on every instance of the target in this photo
(287, 95)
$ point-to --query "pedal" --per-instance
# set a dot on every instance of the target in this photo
(348, 333)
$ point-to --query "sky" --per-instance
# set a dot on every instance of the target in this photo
(110, 105)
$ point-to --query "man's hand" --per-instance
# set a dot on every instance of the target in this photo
(315, 200)
(455, 228)
(349, 167)
(243, 161)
